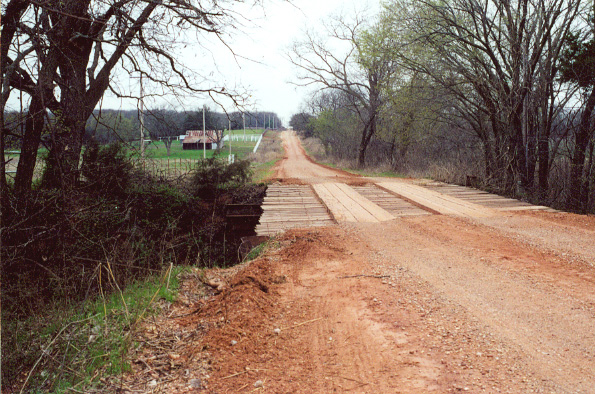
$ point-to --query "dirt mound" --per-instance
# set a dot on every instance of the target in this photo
(219, 315)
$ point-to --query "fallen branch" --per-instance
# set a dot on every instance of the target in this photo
(353, 380)
(364, 276)
(301, 324)
(235, 374)
(357, 387)
(243, 372)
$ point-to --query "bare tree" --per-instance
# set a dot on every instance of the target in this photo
(166, 125)
(577, 66)
(352, 62)
(498, 60)
(63, 55)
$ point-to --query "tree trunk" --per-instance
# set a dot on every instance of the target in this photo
(62, 169)
(5, 210)
(518, 148)
(391, 153)
(361, 158)
(34, 124)
(488, 155)
(543, 153)
(531, 155)
(577, 165)
(587, 187)
(62, 166)
(168, 142)
(367, 134)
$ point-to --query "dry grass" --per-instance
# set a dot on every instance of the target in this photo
(314, 148)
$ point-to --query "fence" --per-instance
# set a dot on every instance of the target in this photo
(258, 143)
(168, 168)
(240, 137)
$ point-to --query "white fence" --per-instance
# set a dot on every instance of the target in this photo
(240, 137)
(258, 143)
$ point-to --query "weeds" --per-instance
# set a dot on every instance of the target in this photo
(255, 252)
(261, 249)
(76, 346)
(268, 155)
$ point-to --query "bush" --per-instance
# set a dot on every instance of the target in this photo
(107, 169)
(212, 176)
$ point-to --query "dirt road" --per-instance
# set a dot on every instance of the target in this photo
(299, 166)
(472, 300)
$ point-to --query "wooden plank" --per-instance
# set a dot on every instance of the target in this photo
(483, 198)
(339, 211)
(390, 202)
(524, 208)
(377, 212)
(287, 207)
(438, 202)
(358, 212)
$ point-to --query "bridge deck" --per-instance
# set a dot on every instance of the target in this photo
(291, 206)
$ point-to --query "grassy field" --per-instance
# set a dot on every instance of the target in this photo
(157, 150)
(179, 161)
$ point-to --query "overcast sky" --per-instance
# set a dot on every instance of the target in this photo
(266, 72)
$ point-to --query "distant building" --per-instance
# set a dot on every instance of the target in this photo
(195, 140)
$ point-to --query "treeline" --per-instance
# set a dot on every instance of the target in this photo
(110, 126)
(501, 91)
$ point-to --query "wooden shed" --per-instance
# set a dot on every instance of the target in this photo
(195, 140)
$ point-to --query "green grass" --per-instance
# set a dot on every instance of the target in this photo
(261, 249)
(263, 171)
(157, 150)
(88, 341)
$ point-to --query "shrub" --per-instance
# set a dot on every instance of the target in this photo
(107, 169)
(211, 176)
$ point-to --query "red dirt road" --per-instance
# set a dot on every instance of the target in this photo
(298, 166)
(433, 303)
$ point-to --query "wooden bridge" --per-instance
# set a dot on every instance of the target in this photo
(323, 204)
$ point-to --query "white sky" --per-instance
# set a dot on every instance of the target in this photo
(266, 72)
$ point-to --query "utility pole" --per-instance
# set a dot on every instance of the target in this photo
(525, 114)
(204, 134)
(141, 118)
